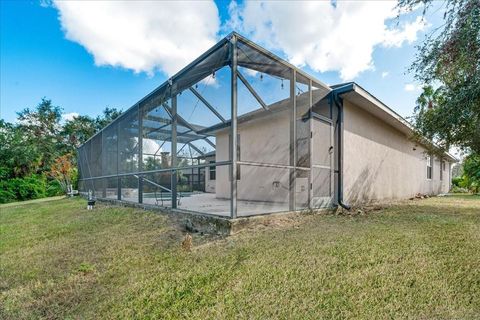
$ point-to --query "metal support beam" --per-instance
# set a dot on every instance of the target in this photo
(233, 129)
(252, 91)
(178, 152)
(179, 118)
(293, 141)
(153, 98)
(195, 148)
(158, 119)
(140, 153)
(104, 154)
(282, 62)
(210, 143)
(160, 147)
(154, 184)
(310, 145)
(119, 179)
(270, 165)
(187, 124)
(151, 130)
(174, 151)
(204, 165)
(190, 145)
(188, 134)
(207, 104)
(156, 152)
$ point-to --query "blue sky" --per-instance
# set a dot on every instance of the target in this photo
(84, 71)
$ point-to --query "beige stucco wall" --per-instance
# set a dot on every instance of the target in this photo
(380, 163)
(264, 141)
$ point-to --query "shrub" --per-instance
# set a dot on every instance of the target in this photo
(474, 187)
(457, 189)
(457, 181)
(31, 187)
(6, 195)
(19, 189)
(54, 189)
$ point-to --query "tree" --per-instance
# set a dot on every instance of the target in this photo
(40, 130)
(18, 156)
(471, 172)
(63, 170)
(107, 116)
(39, 145)
(76, 131)
(449, 60)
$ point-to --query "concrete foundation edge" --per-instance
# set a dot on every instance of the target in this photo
(211, 224)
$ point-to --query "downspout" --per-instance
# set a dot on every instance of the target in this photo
(339, 104)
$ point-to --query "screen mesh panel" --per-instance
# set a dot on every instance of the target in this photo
(175, 147)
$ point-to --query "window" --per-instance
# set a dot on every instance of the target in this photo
(213, 171)
(429, 167)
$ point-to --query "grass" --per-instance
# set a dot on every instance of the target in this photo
(418, 259)
(22, 203)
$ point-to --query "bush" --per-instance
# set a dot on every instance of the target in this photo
(31, 187)
(474, 187)
(19, 189)
(457, 189)
(54, 189)
(6, 195)
(28, 188)
(457, 181)
(471, 170)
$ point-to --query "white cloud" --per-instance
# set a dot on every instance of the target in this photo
(140, 35)
(69, 116)
(210, 81)
(323, 36)
(396, 37)
(412, 87)
(235, 21)
(385, 74)
(409, 87)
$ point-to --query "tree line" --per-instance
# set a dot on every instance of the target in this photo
(38, 151)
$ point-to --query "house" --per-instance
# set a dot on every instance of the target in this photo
(241, 132)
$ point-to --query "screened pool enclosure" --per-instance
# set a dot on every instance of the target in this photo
(238, 132)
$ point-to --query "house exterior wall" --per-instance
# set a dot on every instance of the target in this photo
(222, 182)
(263, 141)
(380, 162)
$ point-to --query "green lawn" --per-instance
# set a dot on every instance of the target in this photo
(420, 259)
